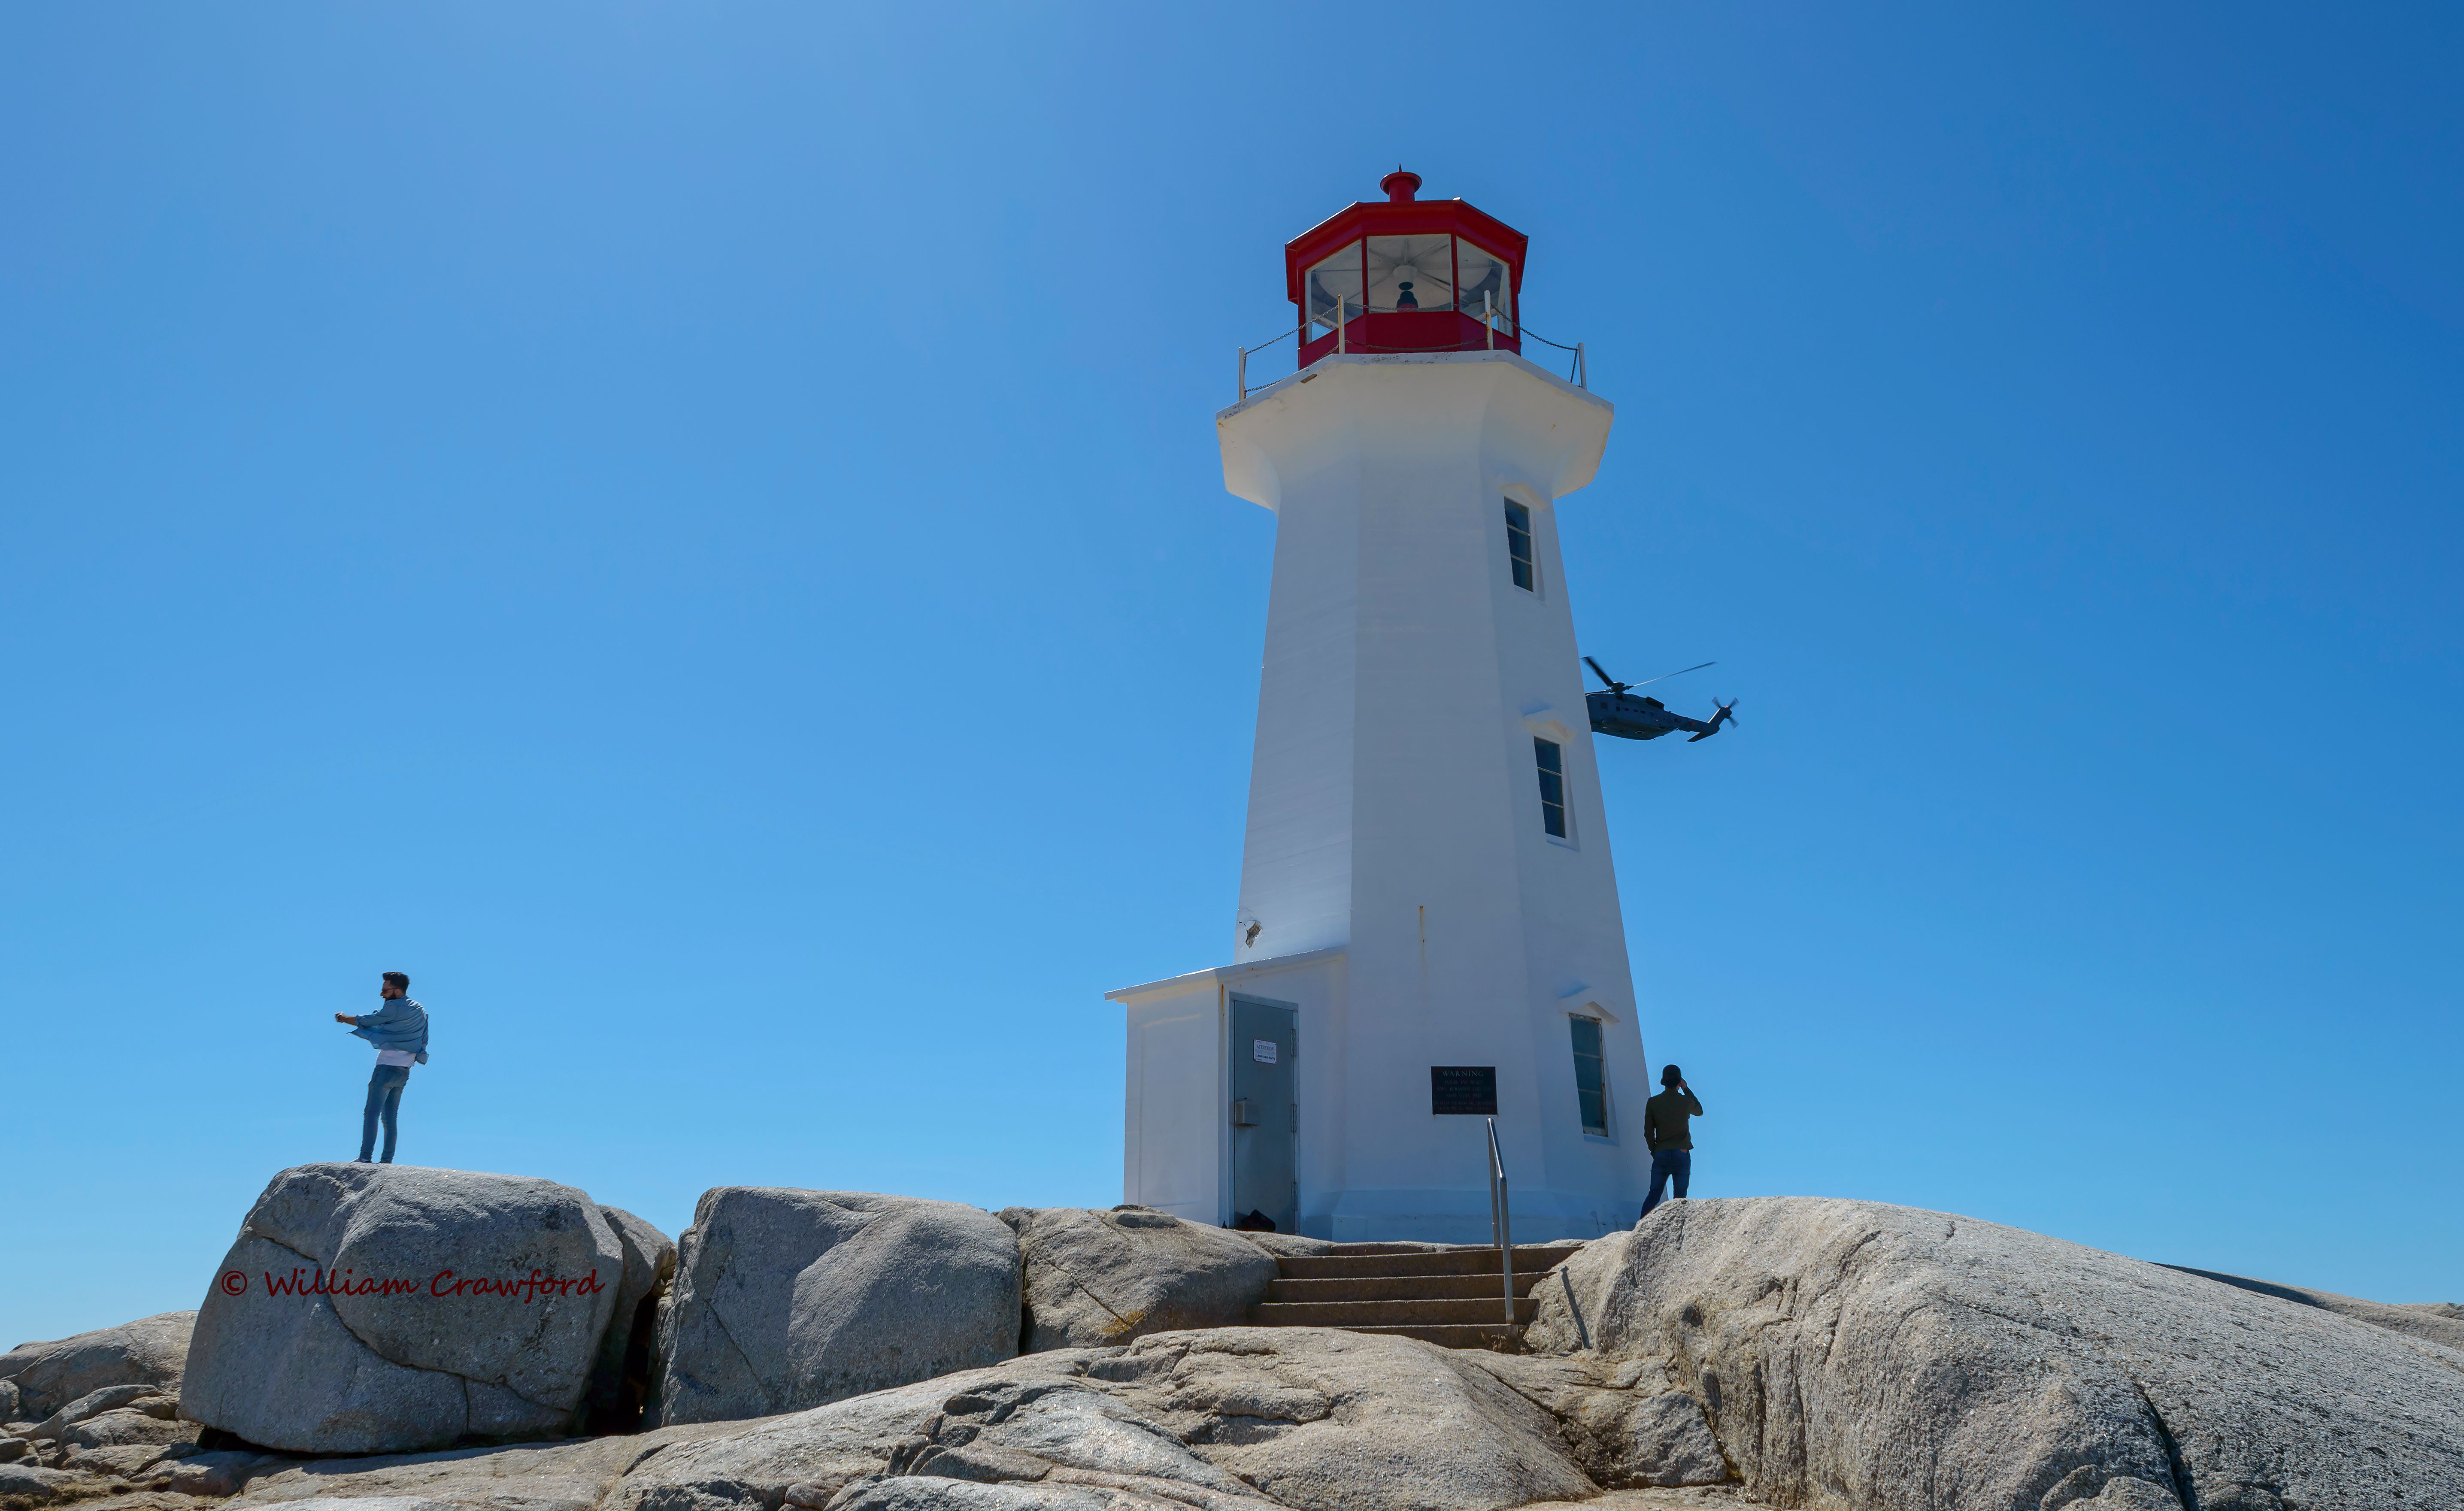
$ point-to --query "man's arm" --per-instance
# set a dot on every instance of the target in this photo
(1693, 1103)
(346, 1018)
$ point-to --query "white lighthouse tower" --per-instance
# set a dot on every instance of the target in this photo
(1428, 929)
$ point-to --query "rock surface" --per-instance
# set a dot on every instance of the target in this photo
(2441, 1323)
(620, 1377)
(464, 1305)
(115, 1442)
(805, 1458)
(1724, 1355)
(1220, 1419)
(1320, 1419)
(24, 1485)
(533, 1477)
(1709, 1498)
(1868, 1356)
(1287, 1242)
(1627, 1423)
(1098, 1278)
(128, 1429)
(46, 1376)
(94, 1403)
(785, 1299)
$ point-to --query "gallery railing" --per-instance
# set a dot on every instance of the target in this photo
(1491, 321)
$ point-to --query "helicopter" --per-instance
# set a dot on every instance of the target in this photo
(1613, 713)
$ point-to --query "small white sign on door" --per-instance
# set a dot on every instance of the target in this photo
(1263, 1051)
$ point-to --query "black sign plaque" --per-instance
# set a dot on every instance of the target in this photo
(1462, 1090)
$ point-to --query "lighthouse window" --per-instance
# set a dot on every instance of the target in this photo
(1334, 282)
(1518, 544)
(1591, 1076)
(1552, 785)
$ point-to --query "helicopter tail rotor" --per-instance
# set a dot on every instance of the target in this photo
(1725, 715)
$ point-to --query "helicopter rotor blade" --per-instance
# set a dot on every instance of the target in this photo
(1665, 676)
(1611, 682)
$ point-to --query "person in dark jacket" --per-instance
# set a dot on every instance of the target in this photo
(399, 1030)
(1666, 1132)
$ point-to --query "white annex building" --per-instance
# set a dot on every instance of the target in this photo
(1428, 929)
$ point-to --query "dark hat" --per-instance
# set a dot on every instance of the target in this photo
(1670, 1075)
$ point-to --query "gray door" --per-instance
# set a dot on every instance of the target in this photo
(1265, 1122)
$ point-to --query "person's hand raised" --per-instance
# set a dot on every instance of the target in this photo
(344, 1017)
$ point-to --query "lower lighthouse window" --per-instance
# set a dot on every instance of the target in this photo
(1552, 785)
(1591, 1076)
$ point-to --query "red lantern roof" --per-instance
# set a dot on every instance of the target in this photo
(1406, 275)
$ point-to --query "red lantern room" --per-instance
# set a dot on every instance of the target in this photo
(1406, 276)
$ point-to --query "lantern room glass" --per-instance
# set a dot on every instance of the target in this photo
(1334, 280)
(1411, 272)
(1480, 272)
(1426, 292)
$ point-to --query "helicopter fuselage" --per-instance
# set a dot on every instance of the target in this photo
(1630, 717)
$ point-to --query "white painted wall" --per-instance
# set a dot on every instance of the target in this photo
(1395, 813)
(1173, 1141)
(1177, 1144)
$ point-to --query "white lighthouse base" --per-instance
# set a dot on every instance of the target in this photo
(1184, 1146)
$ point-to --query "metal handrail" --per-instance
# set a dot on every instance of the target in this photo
(1501, 1220)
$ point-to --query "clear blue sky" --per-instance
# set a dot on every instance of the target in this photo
(696, 533)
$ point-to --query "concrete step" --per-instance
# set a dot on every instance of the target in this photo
(1533, 1257)
(1496, 1337)
(1421, 1312)
(1402, 1248)
(1401, 1287)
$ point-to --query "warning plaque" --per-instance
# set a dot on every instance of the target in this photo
(1462, 1090)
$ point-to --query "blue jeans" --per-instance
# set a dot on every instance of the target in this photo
(384, 1101)
(1666, 1164)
